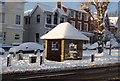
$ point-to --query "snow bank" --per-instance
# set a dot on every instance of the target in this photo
(24, 65)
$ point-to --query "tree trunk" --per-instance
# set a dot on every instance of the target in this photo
(100, 43)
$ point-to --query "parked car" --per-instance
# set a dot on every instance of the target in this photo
(113, 43)
(25, 48)
(93, 46)
(2, 51)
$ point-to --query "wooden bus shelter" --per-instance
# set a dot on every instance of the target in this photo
(64, 42)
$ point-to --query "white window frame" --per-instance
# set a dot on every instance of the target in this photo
(17, 36)
(63, 18)
(80, 28)
(80, 17)
(73, 23)
(87, 27)
(85, 18)
(20, 19)
(36, 18)
(46, 18)
(73, 13)
(54, 48)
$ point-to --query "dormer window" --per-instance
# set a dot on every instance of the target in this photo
(62, 19)
(56, 18)
(72, 14)
(49, 19)
(38, 18)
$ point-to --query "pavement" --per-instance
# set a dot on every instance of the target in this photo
(95, 73)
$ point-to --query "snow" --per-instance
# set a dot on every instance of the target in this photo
(45, 8)
(113, 21)
(26, 13)
(26, 46)
(2, 50)
(64, 31)
(24, 65)
(93, 46)
(114, 43)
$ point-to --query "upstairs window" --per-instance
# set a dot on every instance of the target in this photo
(38, 18)
(72, 14)
(62, 20)
(79, 15)
(17, 36)
(2, 17)
(85, 27)
(49, 19)
(27, 20)
(55, 46)
(86, 17)
(18, 19)
(79, 25)
(55, 18)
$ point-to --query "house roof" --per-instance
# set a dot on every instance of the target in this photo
(64, 31)
(113, 21)
(45, 8)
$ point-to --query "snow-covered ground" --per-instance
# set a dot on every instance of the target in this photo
(24, 65)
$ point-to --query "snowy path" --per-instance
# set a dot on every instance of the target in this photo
(24, 65)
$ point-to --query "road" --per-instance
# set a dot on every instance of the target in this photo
(101, 73)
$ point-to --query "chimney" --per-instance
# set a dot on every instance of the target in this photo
(59, 4)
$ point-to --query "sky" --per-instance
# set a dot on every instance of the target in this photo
(113, 6)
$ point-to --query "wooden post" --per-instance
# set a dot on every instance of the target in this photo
(46, 48)
(92, 58)
(62, 50)
(41, 60)
(9, 60)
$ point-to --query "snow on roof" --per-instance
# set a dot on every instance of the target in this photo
(113, 21)
(46, 8)
(64, 31)
(26, 13)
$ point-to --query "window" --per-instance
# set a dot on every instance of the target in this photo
(17, 36)
(37, 37)
(54, 46)
(80, 15)
(27, 20)
(2, 17)
(4, 36)
(86, 17)
(73, 23)
(72, 14)
(18, 19)
(38, 18)
(85, 27)
(49, 19)
(55, 18)
(79, 25)
(61, 20)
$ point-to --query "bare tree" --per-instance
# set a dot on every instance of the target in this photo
(101, 8)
